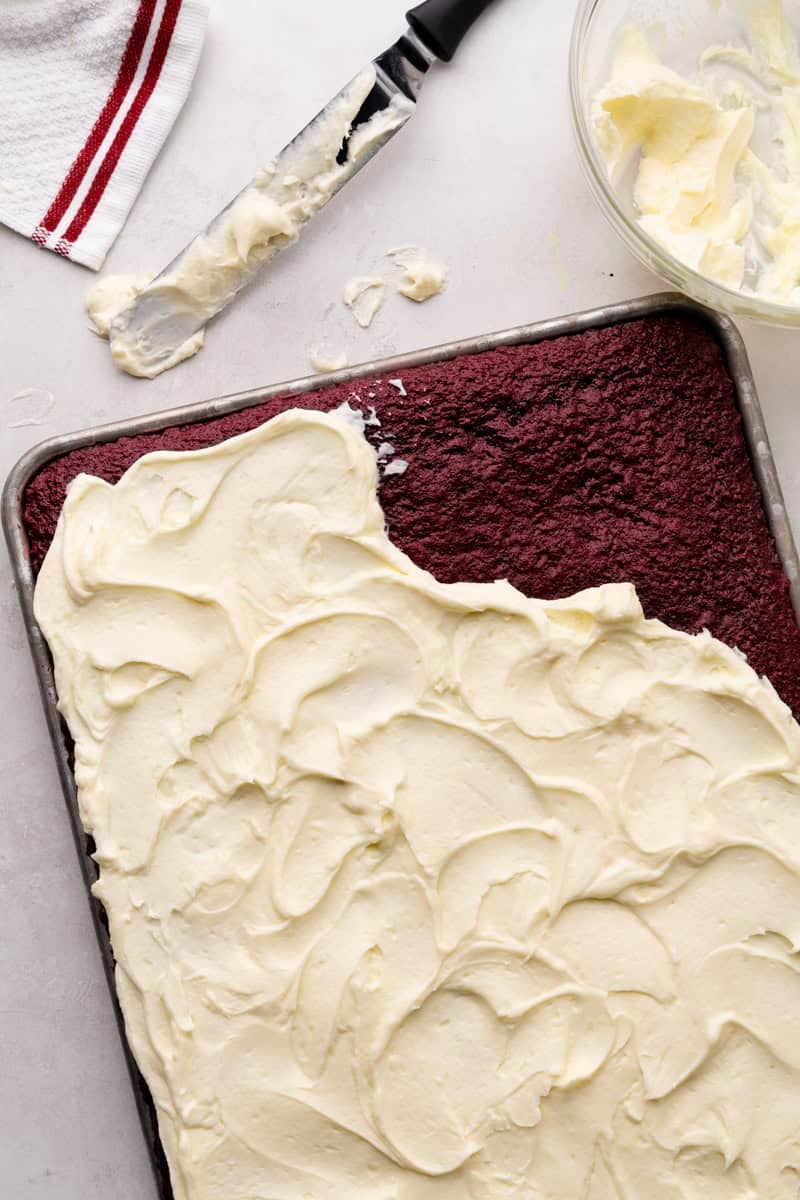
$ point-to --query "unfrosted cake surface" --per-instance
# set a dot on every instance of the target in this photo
(612, 455)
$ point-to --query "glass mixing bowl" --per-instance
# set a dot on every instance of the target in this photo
(680, 30)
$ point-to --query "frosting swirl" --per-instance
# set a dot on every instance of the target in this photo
(421, 891)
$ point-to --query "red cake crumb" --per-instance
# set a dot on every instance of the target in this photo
(613, 455)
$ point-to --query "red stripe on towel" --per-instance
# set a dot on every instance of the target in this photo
(122, 136)
(126, 129)
(129, 64)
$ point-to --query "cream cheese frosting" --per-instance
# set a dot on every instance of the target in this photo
(264, 218)
(709, 187)
(109, 297)
(325, 361)
(364, 296)
(421, 891)
(423, 276)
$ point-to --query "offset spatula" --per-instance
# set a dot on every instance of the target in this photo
(270, 213)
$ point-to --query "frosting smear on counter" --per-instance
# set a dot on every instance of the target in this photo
(421, 891)
(423, 277)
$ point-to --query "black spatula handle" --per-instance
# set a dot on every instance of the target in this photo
(442, 23)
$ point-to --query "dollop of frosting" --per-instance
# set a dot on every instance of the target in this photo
(421, 891)
(710, 187)
(326, 360)
(423, 276)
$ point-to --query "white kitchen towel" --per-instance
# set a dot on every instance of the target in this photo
(89, 90)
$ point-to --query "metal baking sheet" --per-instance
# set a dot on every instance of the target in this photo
(721, 327)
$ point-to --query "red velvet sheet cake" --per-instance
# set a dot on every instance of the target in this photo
(611, 455)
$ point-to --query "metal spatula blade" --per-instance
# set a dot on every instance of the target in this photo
(269, 214)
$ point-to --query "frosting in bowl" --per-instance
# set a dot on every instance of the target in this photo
(716, 181)
(421, 890)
